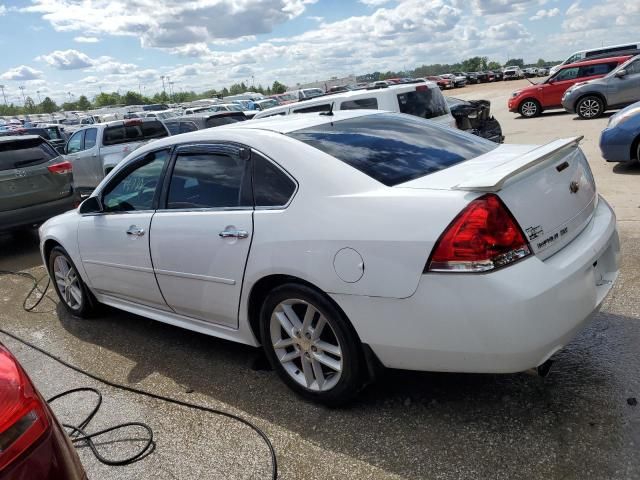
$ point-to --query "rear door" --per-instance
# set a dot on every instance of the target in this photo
(200, 239)
(25, 178)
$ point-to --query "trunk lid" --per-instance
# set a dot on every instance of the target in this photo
(25, 179)
(549, 189)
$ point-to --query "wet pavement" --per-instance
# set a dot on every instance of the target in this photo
(575, 424)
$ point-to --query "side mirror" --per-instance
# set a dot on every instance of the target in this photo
(621, 73)
(91, 205)
(61, 149)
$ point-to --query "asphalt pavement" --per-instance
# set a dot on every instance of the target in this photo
(578, 423)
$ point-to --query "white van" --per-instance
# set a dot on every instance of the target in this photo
(423, 99)
(610, 51)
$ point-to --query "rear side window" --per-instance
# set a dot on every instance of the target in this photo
(425, 103)
(599, 69)
(206, 181)
(133, 132)
(392, 148)
(315, 108)
(370, 103)
(186, 127)
(24, 153)
(173, 127)
(271, 186)
(225, 120)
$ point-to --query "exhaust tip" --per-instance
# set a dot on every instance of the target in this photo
(542, 370)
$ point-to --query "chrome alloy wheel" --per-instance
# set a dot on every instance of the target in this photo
(306, 345)
(529, 109)
(589, 108)
(68, 282)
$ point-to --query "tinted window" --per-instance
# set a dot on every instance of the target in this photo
(611, 50)
(75, 142)
(137, 189)
(271, 186)
(370, 103)
(186, 127)
(206, 181)
(24, 153)
(133, 132)
(425, 103)
(173, 127)
(599, 69)
(315, 108)
(90, 138)
(566, 74)
(393, 148)
(633, 67)
(53, 133)
(217, 121)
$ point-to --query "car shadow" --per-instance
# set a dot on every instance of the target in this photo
(627, 168)
(19, 250)
(544, 114)
(454, 420)
(607, 114)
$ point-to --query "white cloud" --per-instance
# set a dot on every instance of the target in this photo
(169, 23)
(607, 15)
(374, 3)
(86, 39)
(574, 9)
(3, 9)
(22, 72)
(67, 60)
(540, 14)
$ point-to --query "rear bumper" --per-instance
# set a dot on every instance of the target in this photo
(36, 213)
(615, 144)
(501, 322)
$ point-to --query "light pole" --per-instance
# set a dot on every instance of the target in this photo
(162, 78)
(3, 95)
(172, 92)
(38, 92)
(24, 100)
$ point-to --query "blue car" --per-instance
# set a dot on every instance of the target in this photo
(620, 141)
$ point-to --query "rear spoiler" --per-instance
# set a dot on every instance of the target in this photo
(493, 179)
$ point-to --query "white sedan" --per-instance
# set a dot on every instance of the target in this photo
(340, 240)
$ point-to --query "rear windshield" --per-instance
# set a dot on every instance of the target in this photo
(24, 153)
(133, 133)
(393, 148)
(425, 103)
(224, 120)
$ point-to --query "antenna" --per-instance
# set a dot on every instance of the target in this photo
(328, 113)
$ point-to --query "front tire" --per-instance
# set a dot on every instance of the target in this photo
(311, 345)
(530, 108)
(590, 107)
(69, 286)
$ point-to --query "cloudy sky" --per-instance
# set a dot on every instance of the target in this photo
(84, 46)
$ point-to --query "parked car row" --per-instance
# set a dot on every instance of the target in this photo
(588, 88)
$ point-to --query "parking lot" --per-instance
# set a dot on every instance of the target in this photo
(579, 423)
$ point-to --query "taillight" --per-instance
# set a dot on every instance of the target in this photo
(23, 419)
(484, 236)
(61, 168)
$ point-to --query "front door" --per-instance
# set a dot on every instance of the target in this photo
(201, 237)
(625, 90)
(114, 244)
(553, 89)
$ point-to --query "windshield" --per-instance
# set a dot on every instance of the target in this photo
(393, 148)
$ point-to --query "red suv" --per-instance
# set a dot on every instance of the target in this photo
(533, 100)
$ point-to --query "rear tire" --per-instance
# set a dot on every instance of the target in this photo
(68, 284)
(530, 108)
(311, 345)
(590, 107)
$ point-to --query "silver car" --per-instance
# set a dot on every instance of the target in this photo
(621, 87)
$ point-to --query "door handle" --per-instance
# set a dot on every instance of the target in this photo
(234, 234)
(135, 231)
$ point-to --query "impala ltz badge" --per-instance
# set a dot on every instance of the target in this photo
(574, 187)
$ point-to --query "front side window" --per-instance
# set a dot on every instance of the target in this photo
(206, 180)
(369, 103)
(137, 189)
(633, 68)
(90, 138)
(75, 142)
(173, 127)
(425, 103)
(186, 127)
(573, 58)
(133, 131)
(271, 186)
(567, 74)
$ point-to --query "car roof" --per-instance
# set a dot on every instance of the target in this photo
(617, 58)
(204, 116)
